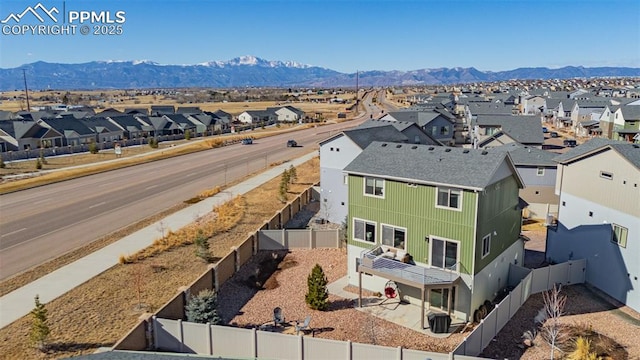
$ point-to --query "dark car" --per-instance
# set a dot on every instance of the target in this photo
(545, 130)
(247, 141)
(554, 134)
(292, 143)
(570, 143)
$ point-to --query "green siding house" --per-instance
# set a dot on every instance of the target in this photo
(442, 223)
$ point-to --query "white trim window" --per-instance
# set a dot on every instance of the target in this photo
(486, 245)
(540, 171)
(444, 254)
(449, 198)
(374, 186)
(394, 236)
(619, 235)
(364, 231)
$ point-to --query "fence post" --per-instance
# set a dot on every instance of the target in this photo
(236, 258)
(154, 327)
(301, 347)
(181, 335)
(312, 243)
(399, 354)
(338, 243)
(254, 343)
(209, 339)
(285, 238)
(216, 281)
(349, 350)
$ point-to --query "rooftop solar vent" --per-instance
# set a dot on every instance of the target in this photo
(384, 145)
(431, 148)
(484, 153)
(414, 147)
(398, 146)
(465, 151)
(447, 150)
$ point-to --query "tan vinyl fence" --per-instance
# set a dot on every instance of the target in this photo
(535, 281)
(298, 239)
(238, 343)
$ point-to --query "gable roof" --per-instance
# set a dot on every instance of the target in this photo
(630, 112)
(528, 156)
(420, 117)
(629, 151)
(523, 129)
(434, 165)
(68, 123)
(364, 137)
(486, 108)
(403, 127)
(99, 123)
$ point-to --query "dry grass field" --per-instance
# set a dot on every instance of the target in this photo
(102, 310)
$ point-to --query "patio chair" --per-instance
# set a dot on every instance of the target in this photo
(278, 316)
(304, 326)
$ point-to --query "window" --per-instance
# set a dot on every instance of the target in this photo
(345, 179)
(540, 171)
(444, 130)
(620, 235)
(449, 198)
(373, 186)
(444, 254)
(486, 245)
(364, 230)
(606, 175)
(394, 236)
(434, 131)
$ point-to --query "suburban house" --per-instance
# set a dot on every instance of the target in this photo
(411, 130)
(442, 223)
(336, 153)
(159, 110)
(532, 104)
(163, 125)
(133, 126)
(104, 130)
(287, 113)
(75, 132)
(206, 123)
(499, 130)
(599, 215)
(186, 124)
(435, 123)
(27, 135)
(626, 127)
(257, 117)
(538, 173)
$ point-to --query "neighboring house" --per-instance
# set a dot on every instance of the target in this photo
(455, 211)
(75, 132)
(257, 117)
(438, 125)
(336, 153)
(110, 112)
(188, 110)
(599, 216)
(538, 173)
(533, 104)
(134, 127)
(159, 110)
(186, 124)
(627, 126)
(411, 130)
(489, 108)
(8, 141)
(210, 123)
(493, 131)
(287, 114)
(105, 130)
(23, 135)
(163, 125)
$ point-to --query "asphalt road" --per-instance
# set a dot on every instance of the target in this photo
(43, 223)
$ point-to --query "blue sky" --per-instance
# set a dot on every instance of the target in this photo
(344, 35)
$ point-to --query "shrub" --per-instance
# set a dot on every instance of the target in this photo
(39, 327)
(38, 164)
(93, 148)
(317, 296)
(202, 246)
(582, 350)
(153, 143)
(2, 164)
(202, 308)
(187, 135)
(293, 174)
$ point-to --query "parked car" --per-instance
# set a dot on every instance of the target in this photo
(247, 141)
(570, 143)
(545, 130)
(292, 143)
(554, 134)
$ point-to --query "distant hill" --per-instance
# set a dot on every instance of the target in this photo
(250, 71)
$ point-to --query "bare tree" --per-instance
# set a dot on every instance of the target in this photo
(549, 317)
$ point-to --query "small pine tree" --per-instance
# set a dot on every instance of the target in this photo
(43, 159)
(202, 308)
(2, 164)
(39, 328)
(153, 143)
(284, 185)
(293, 174)
(187, 135)
(202, 246)
(317, 296)
(38, 164)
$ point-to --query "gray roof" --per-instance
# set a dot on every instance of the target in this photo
(438, 165)
(401, 126)
(528, 156)
(364, 137)
(523, 129)
(421, 118)
(629, 151)
(630, 112)
(487, 108)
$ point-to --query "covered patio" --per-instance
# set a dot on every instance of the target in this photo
(374, 262)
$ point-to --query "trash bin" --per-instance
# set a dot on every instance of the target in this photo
(439, 323)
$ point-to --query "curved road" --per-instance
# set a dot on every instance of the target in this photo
(43, 223)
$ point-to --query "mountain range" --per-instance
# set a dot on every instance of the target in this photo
(251, 71)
